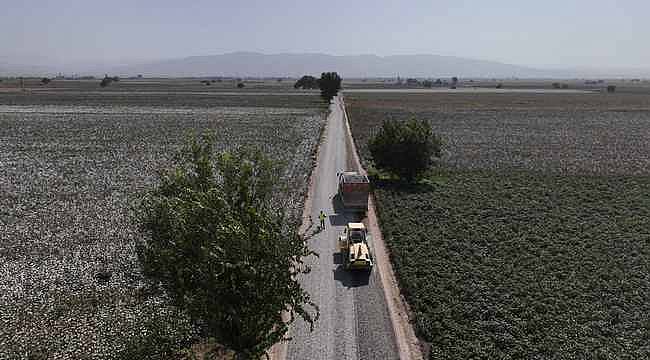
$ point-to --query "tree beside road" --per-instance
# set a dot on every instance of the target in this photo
(330, 84)
(216, 244)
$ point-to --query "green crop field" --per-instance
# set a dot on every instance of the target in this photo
(531, 238)
(71, 166)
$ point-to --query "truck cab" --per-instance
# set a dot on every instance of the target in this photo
(354, 248)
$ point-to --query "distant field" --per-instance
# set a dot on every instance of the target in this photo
(156, 84)
(530, 240)
(625, 86)
(177, 93)
(464, 90)
(70, 168)
(568, 133)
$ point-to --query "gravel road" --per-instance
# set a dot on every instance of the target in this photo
(354, 321)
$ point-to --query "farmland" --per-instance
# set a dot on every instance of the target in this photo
(530, 237)
(177, 93)
(72, 164)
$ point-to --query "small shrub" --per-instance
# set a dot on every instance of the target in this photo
(107, 80)
(405, 149)
(306, 82)
(240, 85)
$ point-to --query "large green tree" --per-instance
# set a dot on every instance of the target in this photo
(222, 251)
(330, 84)
(406, 149)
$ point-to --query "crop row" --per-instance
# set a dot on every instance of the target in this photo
(523, 266)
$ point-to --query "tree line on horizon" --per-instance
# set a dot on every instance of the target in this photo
(329, 84)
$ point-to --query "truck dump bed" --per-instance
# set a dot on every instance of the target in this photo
(354, 189)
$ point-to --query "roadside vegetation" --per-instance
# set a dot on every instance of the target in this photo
(529, 236)
(222, 250)
(107, 80)
(330, 84)
(406, 149)
(307, 82)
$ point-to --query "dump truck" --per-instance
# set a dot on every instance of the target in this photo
(354, 248)
(353, 190)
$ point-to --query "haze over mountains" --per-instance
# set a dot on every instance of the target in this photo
(251, 64)
(256, 64)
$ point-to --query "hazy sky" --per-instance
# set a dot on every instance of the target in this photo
(551, 32)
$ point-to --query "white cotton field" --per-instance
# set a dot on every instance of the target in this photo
(69, 280)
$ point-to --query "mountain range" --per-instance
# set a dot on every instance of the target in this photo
(358, 66)
(252, 64)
